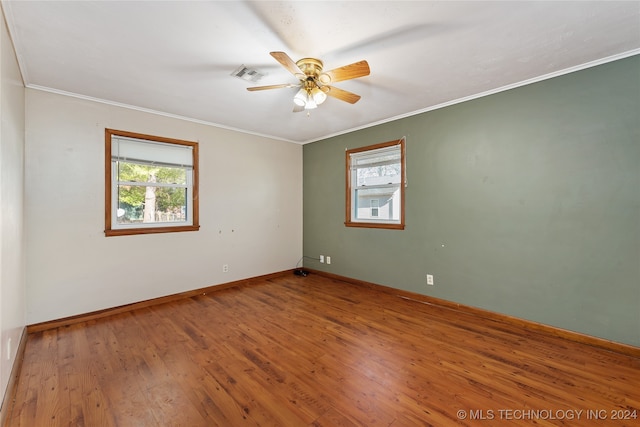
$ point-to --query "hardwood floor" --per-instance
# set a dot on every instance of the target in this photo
(311, 351)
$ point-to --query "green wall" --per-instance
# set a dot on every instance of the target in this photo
(525, 202)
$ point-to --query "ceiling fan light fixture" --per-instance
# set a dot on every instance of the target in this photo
(318, 96)
(309, 98)
(311, 104)
(300, 98)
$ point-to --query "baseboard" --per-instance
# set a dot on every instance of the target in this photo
(52, 324)
(10, 396)
(602, 343)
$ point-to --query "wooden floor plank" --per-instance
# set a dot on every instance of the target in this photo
(311, 351)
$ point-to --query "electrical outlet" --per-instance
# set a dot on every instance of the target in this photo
(328, 260)
(430, 279)
(321, 259)
(225, 268)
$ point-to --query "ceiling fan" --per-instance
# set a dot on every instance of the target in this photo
(314, 84)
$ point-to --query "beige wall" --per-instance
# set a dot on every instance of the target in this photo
(12, 256)
(250, 211)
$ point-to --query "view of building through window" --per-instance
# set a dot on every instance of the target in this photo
(378, 192)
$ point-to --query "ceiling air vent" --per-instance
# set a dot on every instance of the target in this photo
(244, 73)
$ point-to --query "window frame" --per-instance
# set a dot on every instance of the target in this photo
(111, 184)
(377, 223)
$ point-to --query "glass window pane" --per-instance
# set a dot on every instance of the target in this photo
(133, 172)
(388, 203)
(140, 204)
(379, 175)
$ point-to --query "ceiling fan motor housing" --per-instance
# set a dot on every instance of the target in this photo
(311, 67)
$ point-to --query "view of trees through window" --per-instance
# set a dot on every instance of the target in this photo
(379, 171)
(151, 184)
(151, 193)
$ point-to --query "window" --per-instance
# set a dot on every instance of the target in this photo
(375, 185)
(151, 184)
(375, 206)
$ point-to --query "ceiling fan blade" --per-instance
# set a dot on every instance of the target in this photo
(297, 108)
(341, 94)
(272, 86)
(351, 71)
(288, 63)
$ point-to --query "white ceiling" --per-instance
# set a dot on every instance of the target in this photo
(176, 57)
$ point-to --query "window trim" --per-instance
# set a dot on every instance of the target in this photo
(349, 190)
(108, 193)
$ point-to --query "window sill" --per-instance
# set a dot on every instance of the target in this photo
(374, 225)
(150, 230)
